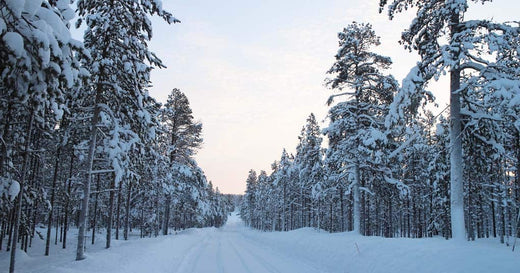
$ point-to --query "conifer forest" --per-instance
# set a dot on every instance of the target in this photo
(87, 154)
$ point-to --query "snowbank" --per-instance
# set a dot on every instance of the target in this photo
(235, 248)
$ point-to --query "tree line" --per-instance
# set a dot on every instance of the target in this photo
(82, 143)
(392, 167)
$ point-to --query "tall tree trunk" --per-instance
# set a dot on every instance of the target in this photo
(67, 202)
(157, 220)
(331, 226)
(283, 206)
(456, 176)
(110, 211)
(83, 216)
(12, 219)
(127, 213)
(166, 216)
(57, 226)
(341, 209)
(61, 226)
(355, 190)
(18, 207)
(53, 193)
(94, 220)
(118, 209)
(2, 232)
(3, 142)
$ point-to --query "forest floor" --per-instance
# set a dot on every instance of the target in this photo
(235, 248)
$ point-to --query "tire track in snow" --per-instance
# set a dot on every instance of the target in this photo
(189, 260)
(220, 266)
(283, 257)
(265, 264)
(239, 255)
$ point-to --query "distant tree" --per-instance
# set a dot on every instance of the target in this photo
(308, 160)
(183, 136)
(249, 201)
(282, 187)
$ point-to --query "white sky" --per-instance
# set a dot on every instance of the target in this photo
(254, 70)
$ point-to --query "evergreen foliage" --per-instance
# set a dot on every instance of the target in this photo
(82, 143)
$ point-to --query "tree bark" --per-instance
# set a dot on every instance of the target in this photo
(355, 190)
(94, 220)
(118, 209)
(110, 211)
(18, 208)
(127, 214)
(57, 227)
(83, 216)
(7, 123)
(53, 193)
(67, 202)
(456, 176)
(166, 216)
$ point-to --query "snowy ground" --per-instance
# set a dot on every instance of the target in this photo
(235, 248)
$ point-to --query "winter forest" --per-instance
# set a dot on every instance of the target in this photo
(82, 142)
(87, 155)
(391, 167)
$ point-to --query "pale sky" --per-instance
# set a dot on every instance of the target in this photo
(254, 70)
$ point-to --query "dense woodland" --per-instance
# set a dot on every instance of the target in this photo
(82, 144)
(392, 166)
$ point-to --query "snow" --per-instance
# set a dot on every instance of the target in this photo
(236, 248)
(3, 26)
(67, 13)
(14, 42)
(16, 6)
(31, 6)
(55, 23)
(14, 189)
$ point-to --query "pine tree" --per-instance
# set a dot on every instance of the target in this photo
(282, 184)
(438, 21)
(249, 201)
(308, 160)
(356, 125)
(183, 136)
(117, 35)
(38, 69)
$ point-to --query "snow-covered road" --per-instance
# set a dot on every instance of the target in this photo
(235, 248)
(229, 250)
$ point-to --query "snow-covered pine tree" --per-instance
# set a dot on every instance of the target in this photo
(282, 187)
(263, 201)
(183, 136)
(249, 201)
(446, 42)
(309, 162)
(356, 125)
(38, 67)
(117, 35)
